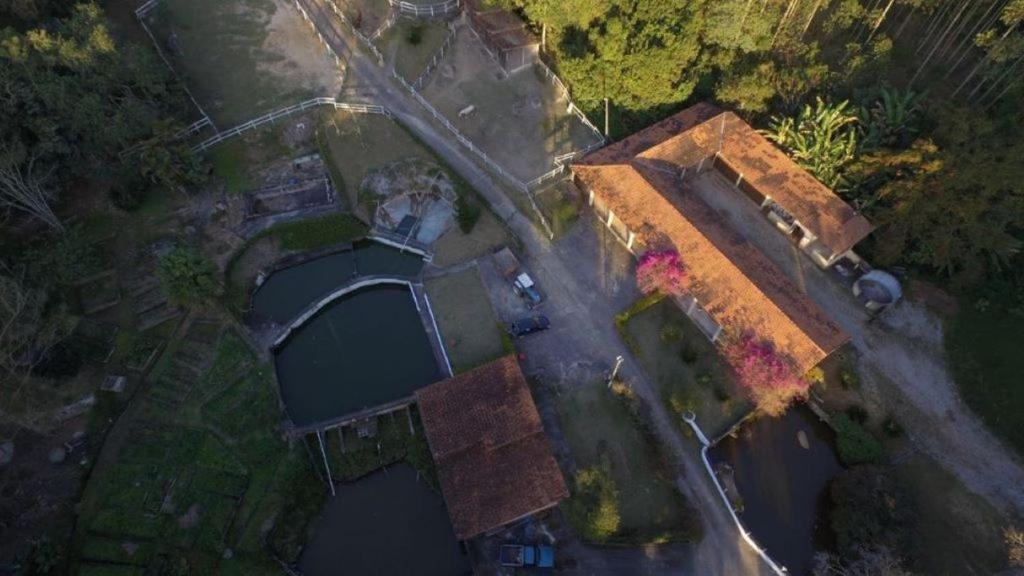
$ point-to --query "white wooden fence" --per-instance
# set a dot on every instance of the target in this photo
(359, 35)
(551, 76)
(319, 33)
(288, 111)
(436, 60)
(426, 10)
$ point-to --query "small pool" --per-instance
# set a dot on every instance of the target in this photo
(367, 348)
(784, 486)
(388, 523)
(289, 291)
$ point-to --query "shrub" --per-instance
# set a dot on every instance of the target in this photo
(318, 232)
(687, 354)
(892, 428)
(670, 332)
(415, 34)
(855, 444)
(127, 193)
(767, 376)
(815, 375)
(189, 278)
(679, 401)
(849, 380)
(858, 414)
(593, 509)
(660, 271)
(468, 212)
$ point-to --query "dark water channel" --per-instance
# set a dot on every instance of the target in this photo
(367, 348)
(388, 523)
(290, 290)
(784, 486)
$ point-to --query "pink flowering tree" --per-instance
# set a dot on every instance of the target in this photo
(660, 271)
(768, 377)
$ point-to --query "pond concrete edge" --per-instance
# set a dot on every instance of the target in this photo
(690, 419)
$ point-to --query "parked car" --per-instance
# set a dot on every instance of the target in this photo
(528, 325)
(522, 283)
(519, 555)
(527, 290)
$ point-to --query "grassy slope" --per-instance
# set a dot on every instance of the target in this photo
(600, 428)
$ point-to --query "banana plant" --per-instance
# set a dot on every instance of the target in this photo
(891, 121)
(821, 138)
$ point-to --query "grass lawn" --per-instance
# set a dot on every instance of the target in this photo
(195, 466)
(601, 430)
(456, 246)
(317, 232)
(358, 143)
(410, 57)
(957, 532)
(983, 344)
(686, 367)
(471, 333)
(243, 58)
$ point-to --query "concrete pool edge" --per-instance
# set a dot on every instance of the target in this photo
(429, 324)
(690, 419)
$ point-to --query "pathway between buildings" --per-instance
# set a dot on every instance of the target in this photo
(573, 300)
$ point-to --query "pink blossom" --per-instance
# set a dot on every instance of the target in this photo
(768, 377)
(661, 271)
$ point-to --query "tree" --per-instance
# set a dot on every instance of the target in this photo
(877, 561)
(594, 506)
(768, 377)
(70, 100)
(821, 139)
(1014, 539)
(891, 120)
(189, 278)
(749, 89)
(661, 271)
(871, 508)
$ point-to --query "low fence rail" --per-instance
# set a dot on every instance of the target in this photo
(437, 58)
(359, 35)
(551, 76)
(426, 10)
(288, 111)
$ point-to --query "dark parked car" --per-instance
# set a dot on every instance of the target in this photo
(528, 325)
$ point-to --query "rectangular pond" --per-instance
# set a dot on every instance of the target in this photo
(389, 523)
(365, 349)
(782, 468)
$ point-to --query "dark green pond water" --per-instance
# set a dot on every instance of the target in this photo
(290, 290)
(388, 523)
(364, 349)
(784, 485)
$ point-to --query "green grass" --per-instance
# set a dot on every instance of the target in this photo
(231, 164)
(602, 430)
(560, 205)
(318, 232)
(411, 59)
(393, 443)
(218, 454)
(465, 318)
(666, 340)
(983, 343)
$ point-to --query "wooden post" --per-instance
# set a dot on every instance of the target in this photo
(611, 217)
(408, 415)
(590, 198)
(341, 438)
(717, 333)
(738, 180)
(693, 304)
(629, 243)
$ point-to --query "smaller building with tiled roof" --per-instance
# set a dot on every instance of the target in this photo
(492, 456)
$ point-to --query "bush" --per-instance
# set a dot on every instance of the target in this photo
(849, 380)
(127, 194)
(870, 508)
(892, 428)
(189, 278)
(468, 212)
(858, 414)
(670, 332)
(593, 509)
(855, 444)
(415, 34)
(679, 401)
(687, 354)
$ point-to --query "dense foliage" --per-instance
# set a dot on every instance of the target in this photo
(190, 279)
(855, 444)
